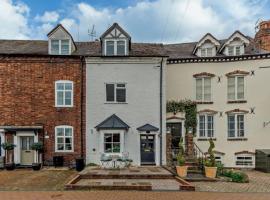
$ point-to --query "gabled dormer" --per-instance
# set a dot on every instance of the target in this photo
(207, 46)
(235, 45)
(115, 41)
(60, 41)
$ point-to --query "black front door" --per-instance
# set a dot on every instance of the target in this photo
(147, 149)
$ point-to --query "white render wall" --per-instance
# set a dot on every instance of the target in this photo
(181, 84)
(142, 78)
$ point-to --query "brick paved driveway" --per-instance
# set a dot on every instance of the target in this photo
(258, 182)
(122, 195)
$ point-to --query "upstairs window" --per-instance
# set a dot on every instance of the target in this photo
(116, 92)
(236, 88)
(206, 52)
(115, 48)
(60, 47)
(63, 93)
(203, 89)
(236, 126)
(234, 50)
(206, 126)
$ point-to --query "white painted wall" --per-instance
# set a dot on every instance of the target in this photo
(181, 84)
(142, 78)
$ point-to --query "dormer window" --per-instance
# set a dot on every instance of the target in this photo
(207, 52)
(60, 41)
(60, 47)
(115, 41)
(234, 50)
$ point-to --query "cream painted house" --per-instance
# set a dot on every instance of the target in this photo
(228, 79)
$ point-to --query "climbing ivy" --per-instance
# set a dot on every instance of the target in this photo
(189, 108)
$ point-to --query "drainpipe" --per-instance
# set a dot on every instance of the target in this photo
(161, 107)
(82, 101)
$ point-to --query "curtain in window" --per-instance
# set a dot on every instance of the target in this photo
(240, 87)
(207, 89)
(231, 88)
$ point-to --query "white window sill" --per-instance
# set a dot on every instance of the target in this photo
(63, 106)
(206, 138)
(64, 151)
(237, 139)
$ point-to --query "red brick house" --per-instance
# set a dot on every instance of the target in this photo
(41, 84)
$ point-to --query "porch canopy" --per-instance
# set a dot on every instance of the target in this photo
(20, 128)
(147, 128)
(112, 122)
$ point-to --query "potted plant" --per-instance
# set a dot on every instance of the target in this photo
(210, 163)
(38, 147)
(181, 168)
(7, 146)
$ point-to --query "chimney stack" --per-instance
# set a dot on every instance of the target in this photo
(262, 37)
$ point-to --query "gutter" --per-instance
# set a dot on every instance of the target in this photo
(82, 106)
(161, 108)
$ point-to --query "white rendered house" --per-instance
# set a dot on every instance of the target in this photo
(125, 99)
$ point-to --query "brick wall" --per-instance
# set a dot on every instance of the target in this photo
(28, 97)
(262, 37)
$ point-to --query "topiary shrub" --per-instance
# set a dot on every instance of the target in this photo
(211, 161)
(180, 156)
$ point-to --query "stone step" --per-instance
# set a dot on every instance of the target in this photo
(127, 176)
(194, 171)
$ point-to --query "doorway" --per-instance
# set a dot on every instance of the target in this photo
(27, 154)
(148, 149)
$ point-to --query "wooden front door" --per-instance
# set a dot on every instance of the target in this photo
(147, 149)
(27, 154)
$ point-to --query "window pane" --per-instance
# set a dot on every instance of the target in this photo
(120, 47)
(60, 140)
(199, 89)
(110, 92)
(240, 87)
(202, 125)
(68, 86)
(209, 52)
(55, 46)
(64, 47)
(203, 52)
(68, 147)
(116, 137)
(108, 148)
(210, 126)
(68, 140)
(230, 51)
(231, 126)
(116, 148)
(60, 86)
(108, 138)
(207, 89)
(110, 48)
(237, 50)
(121, 95)
(60, 132)
(68, 98)
(240, 125)
(60, 98)
(60, 147)
(68, 132)
(231, 88)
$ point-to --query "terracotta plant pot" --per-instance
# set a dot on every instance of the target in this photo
(181, 171)
(210, 172)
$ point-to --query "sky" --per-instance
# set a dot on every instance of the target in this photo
(159, 21)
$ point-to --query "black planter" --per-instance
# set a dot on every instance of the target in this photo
(80, 164)
(10, 166)
(36, 166)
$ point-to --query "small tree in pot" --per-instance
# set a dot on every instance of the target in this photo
(210, 163)
(38, 147)
(181, 168)
(7, 146)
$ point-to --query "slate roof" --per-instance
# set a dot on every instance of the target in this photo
(147, 127)
(40, 47)
(112, 122)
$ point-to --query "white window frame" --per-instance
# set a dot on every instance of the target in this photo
(72, 93)
(115, 88)
(60, 46)
(234, 50)
(211, 89)
(236, 130)
(207, 52)
(55, 136)
(246, 156)
(102, 144)
(236, 88)
(205, 126)
(115, 46)
(2, 136)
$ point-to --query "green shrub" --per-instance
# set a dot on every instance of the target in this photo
(180, 156)
(37, 146)
(236, 176)
(8, 146)
(211, 161)
(220, 168)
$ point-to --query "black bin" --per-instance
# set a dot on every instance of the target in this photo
(80, 164)
(58, 161)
